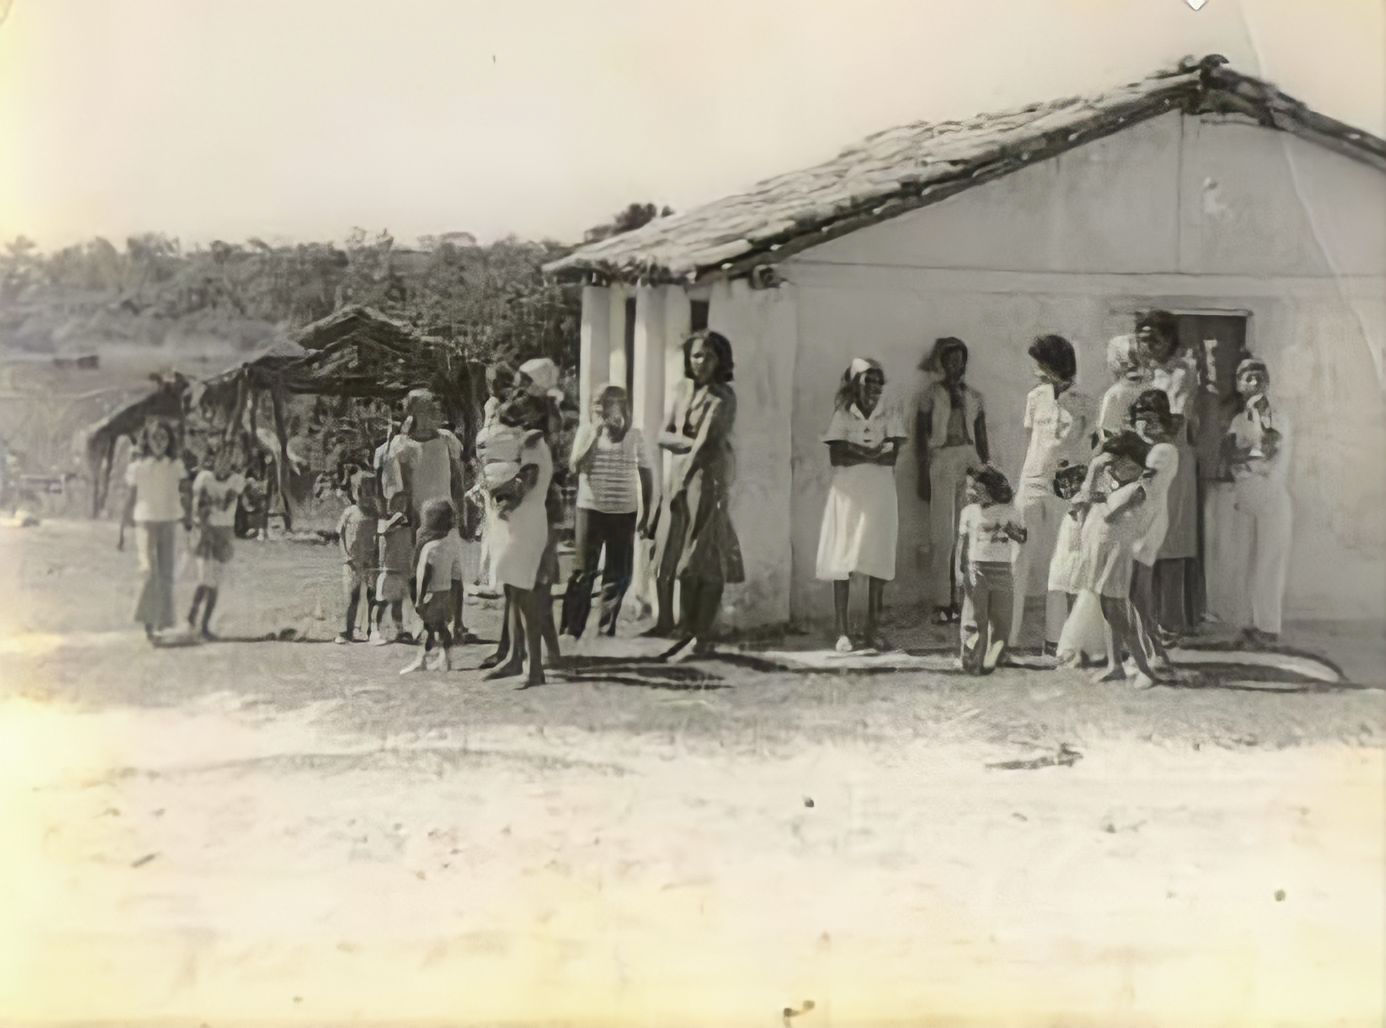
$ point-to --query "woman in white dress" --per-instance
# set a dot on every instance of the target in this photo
(1151, 418)
(519, 543)
(861, 518)
(155, 506)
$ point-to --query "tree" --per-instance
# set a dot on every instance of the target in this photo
(634, 216)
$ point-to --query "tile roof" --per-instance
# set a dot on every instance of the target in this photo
(912, 166)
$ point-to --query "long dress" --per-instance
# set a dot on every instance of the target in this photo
(861, 519)
(519, 541)
(695, 537)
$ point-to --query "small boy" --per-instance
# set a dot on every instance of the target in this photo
(396, 551)
(439, 574)
(215, 492)
(356, 535)
(988, 528)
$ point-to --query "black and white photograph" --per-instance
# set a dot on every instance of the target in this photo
(761, 513)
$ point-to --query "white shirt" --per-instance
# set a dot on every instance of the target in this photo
(985, 529)
(1162, 464)
(850, 425)
(1247, 431)
(222, 495)
(156, 482)
(429, 463)
(1060, 430)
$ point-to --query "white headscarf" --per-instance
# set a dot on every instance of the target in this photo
(543, 374)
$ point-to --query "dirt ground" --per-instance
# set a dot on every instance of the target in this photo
(289, 832)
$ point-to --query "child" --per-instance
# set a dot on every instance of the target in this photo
(1129, 378)
(988, 528)
(394, 556)
(1082, 634)
(1114, 523)
(438, 570)
(356, 535)
(215, 492)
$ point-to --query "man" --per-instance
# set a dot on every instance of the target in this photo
(424, 463)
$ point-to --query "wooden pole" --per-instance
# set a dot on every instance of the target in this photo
(281, 431)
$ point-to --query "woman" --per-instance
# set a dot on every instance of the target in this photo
(1257, 446)
(536, 386)
(1062, 424)
(1151, 418)
(519, 544)
(1130, 378)
(155, 507)
(861, 518)
(952, 428)
(615, 486)
(696, 544)
(1176, 375)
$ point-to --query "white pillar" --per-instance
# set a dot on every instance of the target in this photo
(616, 362)
(656, 310)
(594, 354)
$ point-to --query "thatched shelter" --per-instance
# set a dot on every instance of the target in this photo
(355, 353)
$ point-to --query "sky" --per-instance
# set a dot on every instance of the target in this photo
(300, 119)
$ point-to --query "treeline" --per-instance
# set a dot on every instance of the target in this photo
(490, 300)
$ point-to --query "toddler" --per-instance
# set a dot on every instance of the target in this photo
(438, 570)
(988, 530)
(356, 535)
(215, 493)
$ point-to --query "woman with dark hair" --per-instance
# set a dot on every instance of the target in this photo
(1151, 418)
(861, 517)
(1062, 424)
(696, 544)
(951, 426)
(155, 506)
(1175, 373)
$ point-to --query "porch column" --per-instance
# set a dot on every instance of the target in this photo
(594, 353)
(616, 358)
(653, 310)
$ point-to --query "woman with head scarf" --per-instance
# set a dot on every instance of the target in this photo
(696, 545)
(861, 517)
(1255, 559)
(1173, 371)
(1062, 423)
(951, 425)
(1130, 378)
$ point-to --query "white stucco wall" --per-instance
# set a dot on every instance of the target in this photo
(1181, 213)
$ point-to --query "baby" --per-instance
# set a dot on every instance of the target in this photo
(499, 451)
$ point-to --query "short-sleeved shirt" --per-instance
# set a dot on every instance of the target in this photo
(610, 482)
(986, 529)
(222, 494)
(357, 534)
(443, 557)
(157, 482)
(1247, 432)
(1177, 379)
(1162, 464)
(1117, 402)
(428, 464)
(1060, 430)
(850, 425)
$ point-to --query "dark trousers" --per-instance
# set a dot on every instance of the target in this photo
(595, 532)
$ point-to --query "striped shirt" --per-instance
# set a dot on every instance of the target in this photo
(610, 482)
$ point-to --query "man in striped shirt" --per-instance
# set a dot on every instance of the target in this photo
(615, 487)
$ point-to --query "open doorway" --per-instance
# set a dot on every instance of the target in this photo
(1218, 342)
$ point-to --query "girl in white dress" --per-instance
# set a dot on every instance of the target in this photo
(1114, 523)
(1084, 630)
(1151, 418)
(861, 517)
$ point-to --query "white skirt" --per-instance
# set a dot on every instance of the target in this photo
(861, 523)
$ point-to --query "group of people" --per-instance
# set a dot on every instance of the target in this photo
(1105, 521)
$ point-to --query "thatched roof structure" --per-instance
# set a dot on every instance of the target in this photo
(913, 166)
(354, 352)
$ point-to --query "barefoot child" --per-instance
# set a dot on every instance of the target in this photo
(215, 492)
(1114, 523)
(989, 529)
(356, 535)
(438, 574)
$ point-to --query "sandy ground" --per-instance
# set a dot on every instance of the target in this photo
(291, 833)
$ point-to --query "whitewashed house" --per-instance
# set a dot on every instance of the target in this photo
(1199, 190)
